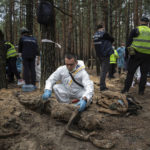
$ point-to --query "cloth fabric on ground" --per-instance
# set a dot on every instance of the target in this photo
(115, 103)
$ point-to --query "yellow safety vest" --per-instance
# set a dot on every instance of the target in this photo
(113, 57)
(11, 52)
(142, 42)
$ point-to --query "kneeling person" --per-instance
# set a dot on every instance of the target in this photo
(75, 83)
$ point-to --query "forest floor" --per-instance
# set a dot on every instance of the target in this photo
(24, 129)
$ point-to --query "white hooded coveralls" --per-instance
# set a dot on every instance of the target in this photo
(68, 89)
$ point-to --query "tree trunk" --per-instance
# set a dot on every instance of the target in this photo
(127, 19)
(70, 29)
(29, 17)
(140, 8)
(76, 30)
(89, 33)
(105, 13)
(48, 51)
(15, 25)
(11, 4)
(21, 14)
(110, 17)
(116, 26)
(94, 9)
(35, 23)
(3, 83)
(119, 26)
(81, 36)
(63, 28)
(80, 51)
(7, 24)
(136, 16)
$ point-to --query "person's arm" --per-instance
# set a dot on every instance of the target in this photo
(133, 33)
(54, 77)
(116, 54)
(88, 86)
(86, 98)
(118, 51)
(7, 46)
(108, 37)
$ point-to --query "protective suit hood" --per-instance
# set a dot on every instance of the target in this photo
(81, 63)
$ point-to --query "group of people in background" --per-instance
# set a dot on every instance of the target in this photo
(117, 60)
(26, 55)
(136, 54)
(11, 60)
(109, 57)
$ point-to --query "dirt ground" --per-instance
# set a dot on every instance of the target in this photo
(24, 129)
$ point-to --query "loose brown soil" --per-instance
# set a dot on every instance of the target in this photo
(22, 128)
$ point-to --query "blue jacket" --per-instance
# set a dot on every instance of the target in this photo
(121, 59)
(103, 44)
(19, 64)
(28, 47)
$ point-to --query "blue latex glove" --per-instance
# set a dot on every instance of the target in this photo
(47, 94)
(82, 104)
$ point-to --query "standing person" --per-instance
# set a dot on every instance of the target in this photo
(75, 83)
(28, 47)
(121, 59)
(139, 40)
(113, 62)
(103, 46)
(11, 63)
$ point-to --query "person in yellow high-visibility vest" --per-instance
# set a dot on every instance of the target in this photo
(11, 56)
(139, 41)
(113, 63)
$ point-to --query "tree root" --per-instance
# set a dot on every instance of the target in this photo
(98, 143)
(7, 135)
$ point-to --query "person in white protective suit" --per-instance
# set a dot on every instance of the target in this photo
(137, 77)
(75, 83)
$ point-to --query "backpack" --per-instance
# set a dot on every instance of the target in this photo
(133, 106)
(45, 13)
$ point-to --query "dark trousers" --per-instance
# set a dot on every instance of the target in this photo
(142, 60)
(29, 70)
(120, 69)
(112, 70)
(12, 69)
(104, 69)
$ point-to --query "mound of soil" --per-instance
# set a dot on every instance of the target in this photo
(22, 128)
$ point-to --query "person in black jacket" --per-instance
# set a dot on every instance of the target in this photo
(103, 46)
(28, 47)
